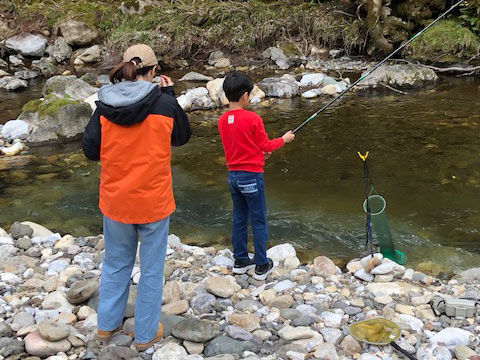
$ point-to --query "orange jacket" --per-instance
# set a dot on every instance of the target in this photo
(133, 143)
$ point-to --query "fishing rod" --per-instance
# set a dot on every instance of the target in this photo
(376, 67)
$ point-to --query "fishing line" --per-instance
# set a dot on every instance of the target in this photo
(364, 76)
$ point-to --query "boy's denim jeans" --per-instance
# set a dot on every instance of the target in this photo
(248, 195)
(121, 241)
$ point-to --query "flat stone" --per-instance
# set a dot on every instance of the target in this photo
(291, 333)
(193, 348)
(118, 353)
(363, 275)
(194, 76)
(394, 288)
(290, 314)
(331, 319)
(56, 300)
(281, 302)
(463, 352)
(221, 286)
(82, 290)
(383, 269)
(384, 300)
(412, 322)
(350, 345)
(176, 308)
(226, 345)
(5, 330)
(326, 351)
(434, 351)
(22, 319)
(238, 333)
(27, 44)
(194, 330)
(36, 345)
(53, 332)
(248, 322)
(332, 336)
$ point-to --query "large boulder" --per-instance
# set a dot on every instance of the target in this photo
(469, 276)
(27, 44)
(61, 50)
(196, 99)
(215, 90)
(405, 75)
(15, 129)
(89, 56)
(55, 119)
(78, 33)
(68, 86)
(278, 56)
(283, 87)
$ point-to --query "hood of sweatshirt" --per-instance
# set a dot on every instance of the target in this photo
(127, 102)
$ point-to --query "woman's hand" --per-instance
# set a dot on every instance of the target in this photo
(165, 81)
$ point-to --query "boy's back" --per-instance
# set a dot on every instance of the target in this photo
(246, 145)
(245, 140)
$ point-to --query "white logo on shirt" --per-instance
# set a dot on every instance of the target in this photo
(231, 119)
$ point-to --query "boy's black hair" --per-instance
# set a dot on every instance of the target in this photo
(236, 84)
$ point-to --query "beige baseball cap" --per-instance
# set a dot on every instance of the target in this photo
(142, 51)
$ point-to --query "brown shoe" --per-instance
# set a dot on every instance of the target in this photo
(106, 335)
(142, 347)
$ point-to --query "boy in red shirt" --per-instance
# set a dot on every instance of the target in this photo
(246, 146)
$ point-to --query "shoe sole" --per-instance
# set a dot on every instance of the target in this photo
(243, 270)
(262, 276)
(142, 347)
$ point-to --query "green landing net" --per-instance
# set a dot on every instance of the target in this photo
(379, 221)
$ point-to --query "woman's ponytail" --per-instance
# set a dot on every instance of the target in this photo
(125, 71)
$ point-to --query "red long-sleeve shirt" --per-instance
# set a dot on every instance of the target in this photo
(245, 140)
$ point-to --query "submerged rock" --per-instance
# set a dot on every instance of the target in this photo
(400, 76)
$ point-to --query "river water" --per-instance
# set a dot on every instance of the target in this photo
(424, 159)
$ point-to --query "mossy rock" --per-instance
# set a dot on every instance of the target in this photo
(447, 42)
(56, 119)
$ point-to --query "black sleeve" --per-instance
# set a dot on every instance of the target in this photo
(169, 90)
(92, 138)
(181, 127)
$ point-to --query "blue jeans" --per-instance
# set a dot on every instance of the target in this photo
(121, 241)
(248, 195)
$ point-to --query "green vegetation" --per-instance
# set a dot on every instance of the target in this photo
(447, 42)
(471, 16)
(48, 106)
(185, 28)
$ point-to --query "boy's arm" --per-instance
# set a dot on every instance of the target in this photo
(92, 138)
(262, 141)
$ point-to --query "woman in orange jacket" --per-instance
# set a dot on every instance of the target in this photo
(131, 133)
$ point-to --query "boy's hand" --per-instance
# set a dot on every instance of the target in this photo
(288, 137)
(165, 81)
(267, 155)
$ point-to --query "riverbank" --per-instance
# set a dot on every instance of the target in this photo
(49, 295)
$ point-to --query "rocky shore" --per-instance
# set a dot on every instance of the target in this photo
(49, 295)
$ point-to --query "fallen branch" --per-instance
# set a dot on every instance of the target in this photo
(393, 89)
(470, 69)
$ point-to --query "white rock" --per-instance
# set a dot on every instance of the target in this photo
(331, 319)
(293, 355)
(15, 149)
(91, 55)
(433, 352)
(90, 322)
(27, 44)
(196, 99)
(363, 275)
(91, 100)
(383, 269)
(194, 76)
(312, 79)
(452, 337)
(412, 322)
(39, 230)
(366, 259)
(283, 285)
(291, 333)
(221, 260)
(15, 129)
(279, 253)
(10, 278)
(310, 94)
(170, 351)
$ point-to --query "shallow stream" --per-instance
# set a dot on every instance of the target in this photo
(424, 159)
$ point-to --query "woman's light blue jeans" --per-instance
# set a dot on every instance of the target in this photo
(121, 241)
